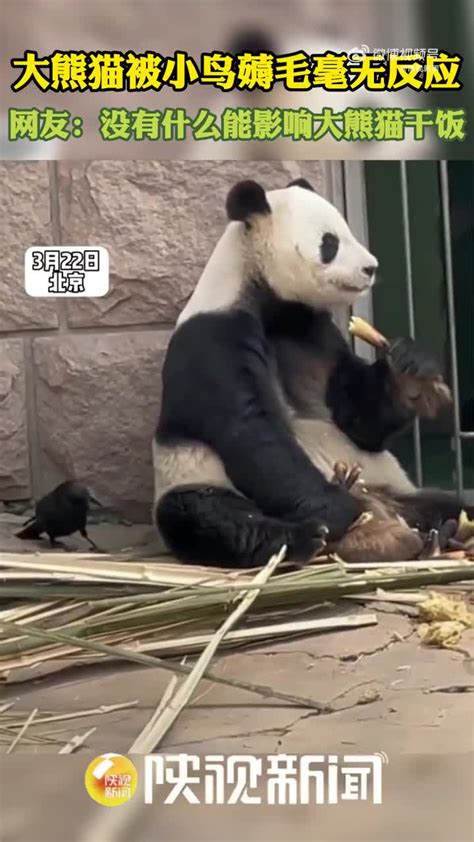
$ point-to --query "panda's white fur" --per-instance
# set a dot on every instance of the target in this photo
(186, 465)
(284, 246)
(320, 439)
(325, 445)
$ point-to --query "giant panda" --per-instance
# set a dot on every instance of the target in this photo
(262, 396)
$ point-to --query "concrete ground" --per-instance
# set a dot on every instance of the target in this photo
(390, 694)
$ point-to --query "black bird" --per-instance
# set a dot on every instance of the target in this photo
(61, 512)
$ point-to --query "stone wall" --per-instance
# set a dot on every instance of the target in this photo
(80, 379)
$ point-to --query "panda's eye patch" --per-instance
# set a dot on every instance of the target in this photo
(329, 247)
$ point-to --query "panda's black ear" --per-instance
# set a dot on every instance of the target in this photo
(301, 182)
(245, 199)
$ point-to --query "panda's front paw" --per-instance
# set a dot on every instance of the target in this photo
(406, 357)
(347, 475)
(419, 378)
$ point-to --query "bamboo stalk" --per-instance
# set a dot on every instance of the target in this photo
(380, 595)
(29, 738)
(22, 731)
(191, 644)
(187, 645)
(149, 619)
(108, 568)
(61, 717)
(106, 825)
(153, 572)
(38, 612)
(117, 652)
(231, 583)
(76, 742)
(182, 696)
(144, 743)
(18, 612)
(290, 593)
(363, 330)
(417, 564)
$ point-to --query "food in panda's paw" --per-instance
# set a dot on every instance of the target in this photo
(419, 378)
(417, 373)
(361, 329)
(423, 396)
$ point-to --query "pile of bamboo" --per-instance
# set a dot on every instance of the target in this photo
(75, 608)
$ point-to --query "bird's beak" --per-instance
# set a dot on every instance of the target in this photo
(95, 501)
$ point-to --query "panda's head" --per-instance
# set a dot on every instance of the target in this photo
(300, 244)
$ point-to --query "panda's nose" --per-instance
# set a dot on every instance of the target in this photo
(369, 271)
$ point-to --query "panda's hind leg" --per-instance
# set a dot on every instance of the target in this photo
(215, 526)
(430, 509)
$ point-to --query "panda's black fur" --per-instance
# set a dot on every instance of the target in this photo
(287, 500)
(233, 379)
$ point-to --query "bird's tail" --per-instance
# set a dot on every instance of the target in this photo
(30, 530)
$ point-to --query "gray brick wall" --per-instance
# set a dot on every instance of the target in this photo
(80, 380)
